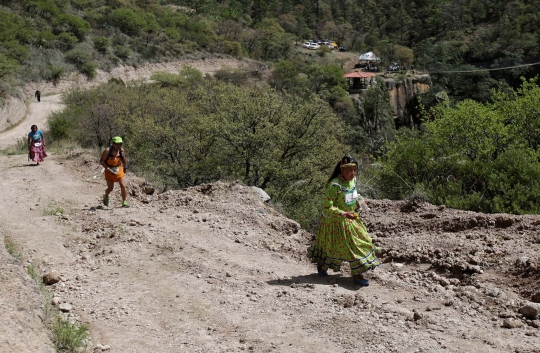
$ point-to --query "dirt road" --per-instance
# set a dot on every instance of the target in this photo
(37, 114)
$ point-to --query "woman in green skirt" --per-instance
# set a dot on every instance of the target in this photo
(342, 236)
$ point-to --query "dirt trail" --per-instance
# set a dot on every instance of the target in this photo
(214, 269)
(37, 114)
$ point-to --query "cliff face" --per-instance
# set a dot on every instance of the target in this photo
(13, 110)
(402, 93)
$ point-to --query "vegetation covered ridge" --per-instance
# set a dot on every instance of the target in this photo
(44, 39)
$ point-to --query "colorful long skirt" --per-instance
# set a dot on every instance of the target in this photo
(37, 152)
(343, 240)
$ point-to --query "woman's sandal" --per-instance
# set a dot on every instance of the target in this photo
(321, 272)
(361, 282)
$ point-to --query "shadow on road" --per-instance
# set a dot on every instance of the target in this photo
(312, 279)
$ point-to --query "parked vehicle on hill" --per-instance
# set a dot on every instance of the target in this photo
(314, 46)
(327, 44)
(306, 45)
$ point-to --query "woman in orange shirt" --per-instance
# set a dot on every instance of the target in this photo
(113, 159)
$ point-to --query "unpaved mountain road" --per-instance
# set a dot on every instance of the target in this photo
(214, 269)
(37, 114)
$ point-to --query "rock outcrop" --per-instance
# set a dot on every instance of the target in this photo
(403, 92)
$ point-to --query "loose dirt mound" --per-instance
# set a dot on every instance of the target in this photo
(214, 269)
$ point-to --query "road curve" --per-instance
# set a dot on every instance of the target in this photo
(37, 114)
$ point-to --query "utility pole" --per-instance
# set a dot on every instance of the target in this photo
(317, 25)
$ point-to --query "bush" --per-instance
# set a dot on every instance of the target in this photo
(8, 66)
(72, 24)
(127, 21)
(66, 41)
(101, 44)
(122, 52)
(79, 56)
(59, 127)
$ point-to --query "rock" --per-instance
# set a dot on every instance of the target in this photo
(149, 190)
(522, 261)
(509, 323)
(403, 312)
(51, 278)
(536, 297)
(454, 281)
(55, 301)
(494, 292)
(444, 281)
(503, 222)
(530, 311)
(65, 307)
(262, 194)
(349, 301)
(103, 347)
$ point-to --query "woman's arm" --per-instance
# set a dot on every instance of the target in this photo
(329, 209)
(29, 142)
(43, 138)
(124, 160)
(103, 158)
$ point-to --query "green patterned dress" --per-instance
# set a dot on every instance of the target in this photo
(341, 239)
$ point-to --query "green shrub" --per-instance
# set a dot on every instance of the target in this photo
(79, 56)
(12, 248)
(69, 337)
(8, 66)
(56, 73)
(59, 127)
(102, 44)
(122, 52)
(89, 69)
(66, 41)
(72, 24)
(127, 21)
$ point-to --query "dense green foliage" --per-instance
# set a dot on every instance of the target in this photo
(475, 156)
(433, 35)
(186, 130)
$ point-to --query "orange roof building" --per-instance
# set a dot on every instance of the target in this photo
(357, 79)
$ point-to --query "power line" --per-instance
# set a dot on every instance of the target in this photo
(477, 70)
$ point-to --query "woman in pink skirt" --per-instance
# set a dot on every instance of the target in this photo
(36, 145)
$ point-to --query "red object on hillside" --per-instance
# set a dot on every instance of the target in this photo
(357, 79)
(359, 74)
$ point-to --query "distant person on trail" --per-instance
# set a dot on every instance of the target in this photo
(342, 236)
(38, 95)
(113, 159)
(36, 145)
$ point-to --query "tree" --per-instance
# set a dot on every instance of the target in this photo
(404, 55)
(73, 24)
(127, 21)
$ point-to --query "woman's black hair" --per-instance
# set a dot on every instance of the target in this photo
(33, 126)
(345, 160)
